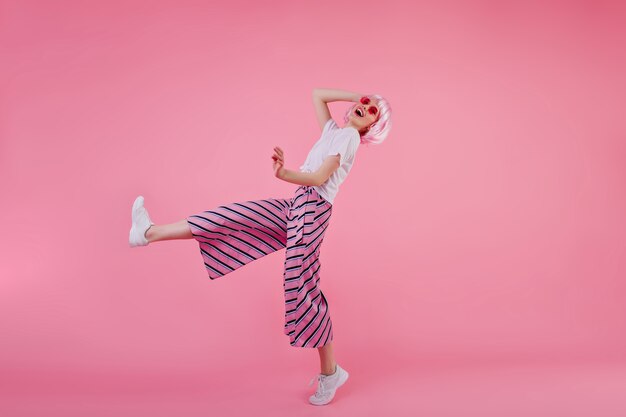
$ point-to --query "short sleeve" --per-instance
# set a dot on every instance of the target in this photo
(330, 125)
(342, 144)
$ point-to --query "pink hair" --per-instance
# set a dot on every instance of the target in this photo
(380, 128)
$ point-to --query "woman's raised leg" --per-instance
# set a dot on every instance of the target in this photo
(232, 235)
(178, 230)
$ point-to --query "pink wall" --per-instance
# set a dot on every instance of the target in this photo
(490, 224)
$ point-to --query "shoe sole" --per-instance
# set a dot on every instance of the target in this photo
(137, 204)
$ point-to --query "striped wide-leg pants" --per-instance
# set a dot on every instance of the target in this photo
(232, 235)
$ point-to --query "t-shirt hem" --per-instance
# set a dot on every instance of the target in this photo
(322, 194)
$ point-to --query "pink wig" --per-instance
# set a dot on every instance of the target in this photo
(380, 128)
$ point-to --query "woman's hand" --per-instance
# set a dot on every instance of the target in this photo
(279, 162)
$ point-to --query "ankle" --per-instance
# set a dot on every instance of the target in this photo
(149, 233)
(330, 371)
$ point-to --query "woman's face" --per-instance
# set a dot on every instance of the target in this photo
(364, 114)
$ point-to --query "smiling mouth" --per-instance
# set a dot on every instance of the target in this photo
(359, 111)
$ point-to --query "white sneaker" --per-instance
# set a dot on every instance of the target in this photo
(140, 224)
(327, 386)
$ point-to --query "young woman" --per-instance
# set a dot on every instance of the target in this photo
(232, 235)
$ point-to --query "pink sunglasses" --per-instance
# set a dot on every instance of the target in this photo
(372, 110)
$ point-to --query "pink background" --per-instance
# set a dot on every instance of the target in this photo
(475, 261)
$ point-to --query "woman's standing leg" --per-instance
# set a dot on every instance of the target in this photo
(178, 230)
(307, 316)
(327, 359)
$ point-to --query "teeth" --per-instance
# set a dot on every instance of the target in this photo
(359, 112)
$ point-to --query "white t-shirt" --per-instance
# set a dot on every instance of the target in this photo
(334, 140)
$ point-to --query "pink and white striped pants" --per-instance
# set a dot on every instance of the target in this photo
(232, 235)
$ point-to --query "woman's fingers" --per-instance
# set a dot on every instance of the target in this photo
(279, 153)
(277, 157)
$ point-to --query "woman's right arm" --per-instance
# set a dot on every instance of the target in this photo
(330, 94)
(321, 96)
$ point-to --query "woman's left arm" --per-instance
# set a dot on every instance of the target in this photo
(300, 178)
(318, 177)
